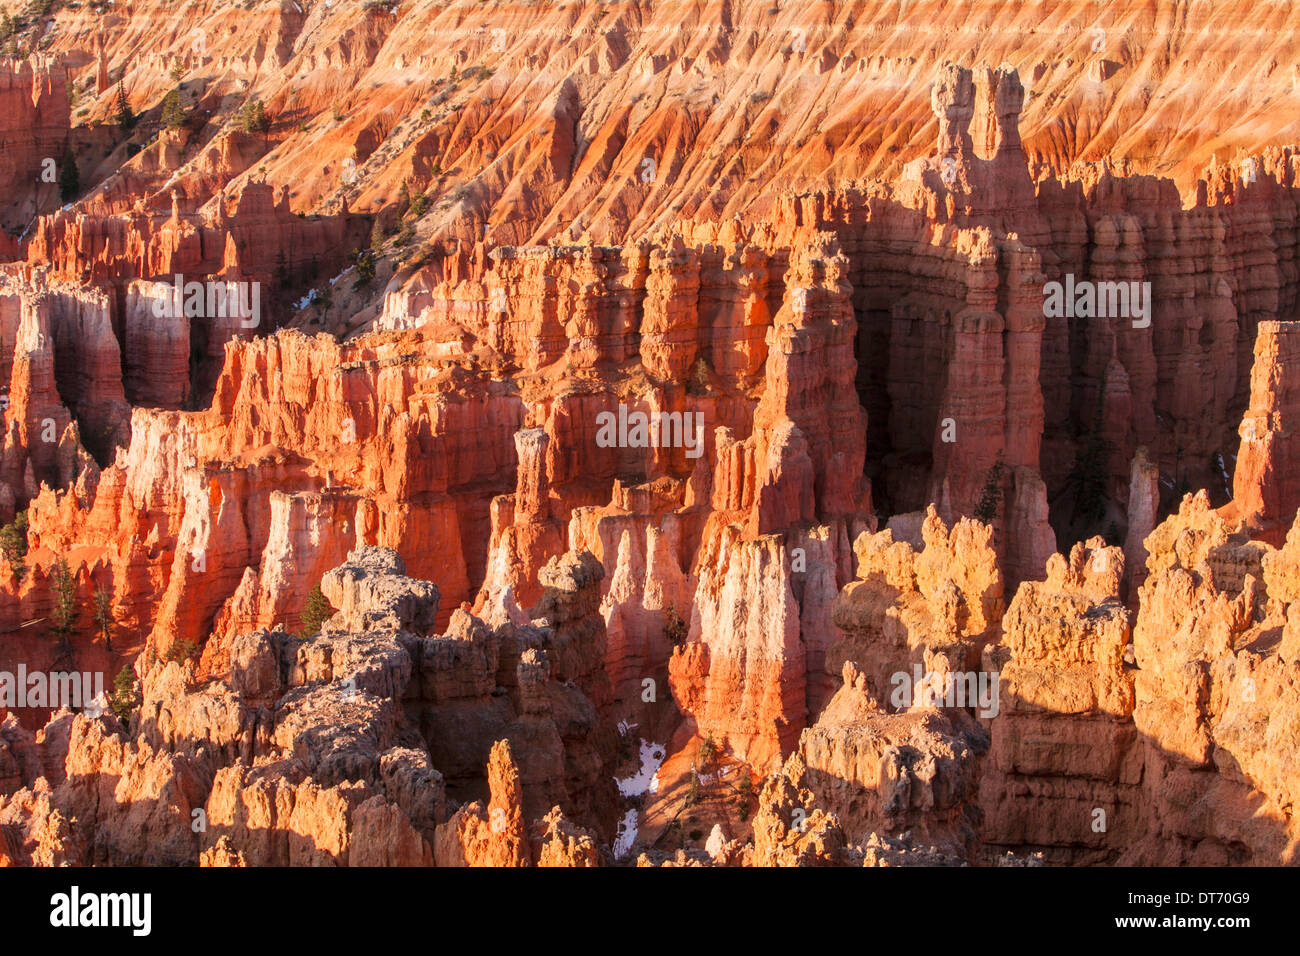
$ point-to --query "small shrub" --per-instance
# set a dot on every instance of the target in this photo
(365, 268)
(69, 180)
(698, 384)
(181, 651)
(744, 794)
(675, 629)
(991, 497)
(13, 543)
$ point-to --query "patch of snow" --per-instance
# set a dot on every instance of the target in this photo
(311, 296)
(645, 780)
(624, 727)
(627, 830)
(714, 777)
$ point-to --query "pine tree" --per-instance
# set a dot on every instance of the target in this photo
(744, 793)
(253, 117)
(281, 271)
(63, 616)
(991, 497)
(316, 611)
(69, 177)
(13, 543)
(365, 268)
(706, 753)
(125, 118)
(125, 697)
(1089, 476)
(261, 119)
(173, 111)
(693, 791)
(104, 616)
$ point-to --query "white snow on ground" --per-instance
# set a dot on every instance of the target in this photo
(627, 830)
(311, 296)
(714, 777)
(645, 780)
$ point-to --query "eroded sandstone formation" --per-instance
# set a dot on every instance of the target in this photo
(330, 749)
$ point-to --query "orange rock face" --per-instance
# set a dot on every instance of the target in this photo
(1064, 767)
(675, 408)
